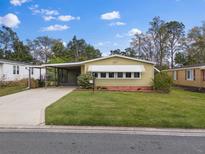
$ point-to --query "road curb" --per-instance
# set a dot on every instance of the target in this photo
(105, 130)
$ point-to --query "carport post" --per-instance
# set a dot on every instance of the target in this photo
(45, 77)
(55, 76)
(29, 78)
(40, 75)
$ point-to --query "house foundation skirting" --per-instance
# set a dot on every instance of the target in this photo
(129, 88)
(191, 88)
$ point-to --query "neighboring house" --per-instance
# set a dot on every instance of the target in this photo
(13, 70)
(114, 72)
(190, 76)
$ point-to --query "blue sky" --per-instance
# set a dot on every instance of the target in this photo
(106, 24)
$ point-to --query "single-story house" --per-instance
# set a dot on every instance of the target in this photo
(14, 70)
(114, 72)
(189, 76)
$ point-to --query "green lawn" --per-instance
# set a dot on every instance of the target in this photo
(179, 109)
(11, 89)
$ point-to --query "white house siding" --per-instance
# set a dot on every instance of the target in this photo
(1, 71)
(6, 71)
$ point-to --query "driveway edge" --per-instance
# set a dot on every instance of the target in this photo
(106, 130)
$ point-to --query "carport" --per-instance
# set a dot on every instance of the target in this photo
(63, 74)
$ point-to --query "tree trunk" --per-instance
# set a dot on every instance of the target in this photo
(172, 60)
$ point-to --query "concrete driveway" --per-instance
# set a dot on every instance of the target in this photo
(28, 107)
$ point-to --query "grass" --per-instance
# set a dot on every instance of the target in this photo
(179, 109)
(11, 89)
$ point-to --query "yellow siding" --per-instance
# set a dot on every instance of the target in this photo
(146, 78)
(181, 80)
(82, 69)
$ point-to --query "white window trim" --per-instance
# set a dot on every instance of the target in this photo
(99, 75)
(175, 76)
(132, 75)
(116, 77)
(14, 70)
(109, 77)
(140, 77)
(191, 75)
(17, 69)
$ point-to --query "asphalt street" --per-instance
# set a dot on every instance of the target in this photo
(85, 143)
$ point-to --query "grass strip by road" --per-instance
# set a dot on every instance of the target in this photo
(179, 109)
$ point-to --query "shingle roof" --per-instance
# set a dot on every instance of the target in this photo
(189, 66)
(2, 61)
(195, 65)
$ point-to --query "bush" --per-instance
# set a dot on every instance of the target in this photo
(21, 83)
(41, 83)
(84, 81)
(34, 83)
(162, 82)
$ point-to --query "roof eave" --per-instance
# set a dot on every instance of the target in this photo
(145, 61)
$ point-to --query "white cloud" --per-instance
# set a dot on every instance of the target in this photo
(45, 12)
(134, 31)
(55, 28)
(100, 44)
(48, 18)
(117, 24)
(67, 18)
(119, 35)
(18, 2)
(10, 20)
(51, 14)
(111, 15)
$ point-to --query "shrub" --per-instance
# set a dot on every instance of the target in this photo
(84, 81)
(41, 83)
(34, 83)
(21, 83)
(101, 88)
(162, 82)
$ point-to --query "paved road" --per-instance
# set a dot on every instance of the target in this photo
(27, 107)
(68, 143)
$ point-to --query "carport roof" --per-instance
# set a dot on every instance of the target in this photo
(61, 65)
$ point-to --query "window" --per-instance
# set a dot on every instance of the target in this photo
(14, 69)
(189, 75)
(32, 72)
(17, 72)
(103, 75)
(175, 75)
(204, 75)
(96, 75)
(119, 75)
(136, 74)
(111, 75)
(128, 74)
